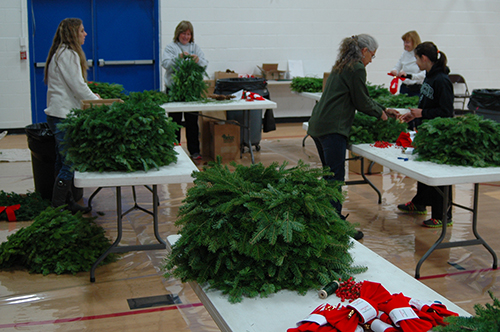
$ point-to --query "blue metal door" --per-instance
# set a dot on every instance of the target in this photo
(121, 46)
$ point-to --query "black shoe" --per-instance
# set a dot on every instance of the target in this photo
(412, 208)
(358, 236)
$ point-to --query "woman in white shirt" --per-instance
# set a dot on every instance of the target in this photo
(407, 64)
(65, 76)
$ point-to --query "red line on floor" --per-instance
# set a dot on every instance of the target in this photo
(454, 273)
(117, 314)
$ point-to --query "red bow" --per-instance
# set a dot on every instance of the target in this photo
(11, 216)
(403, 315)
(251, 96)
(404, 140)
(362, 310)
(394, 83)
(315, 322)
(436, 311)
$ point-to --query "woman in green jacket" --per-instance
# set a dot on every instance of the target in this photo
(345, 92)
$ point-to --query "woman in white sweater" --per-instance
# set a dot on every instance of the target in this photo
(65, 76)
(407, 65)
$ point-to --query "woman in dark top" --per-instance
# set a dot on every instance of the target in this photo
(345, 92)
(436, 100)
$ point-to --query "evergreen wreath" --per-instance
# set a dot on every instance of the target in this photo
(31, 205)
(258, 230)
(188, 83)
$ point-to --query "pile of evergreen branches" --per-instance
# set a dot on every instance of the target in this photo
(259, 229)
(306, 84)
(130, 136)
(468, 140)
(56, 242)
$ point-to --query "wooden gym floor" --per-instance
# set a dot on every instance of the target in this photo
(71, 303)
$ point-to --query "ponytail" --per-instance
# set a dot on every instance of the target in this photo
(430, 50)
(350, 50)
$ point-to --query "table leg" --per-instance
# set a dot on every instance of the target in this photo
(247, 119)
(478, 241)
(114, 248)
(118, 237)
(365, 180)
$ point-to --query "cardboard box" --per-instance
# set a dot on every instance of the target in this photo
(98, 102)
(225, 140)
(210, 85)
(223, 74)
(355, 166)
(270, 71)
(204, 127)
(325, 77)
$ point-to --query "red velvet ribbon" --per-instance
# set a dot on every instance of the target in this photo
(404, 140)
(394, 83)
(9, 210)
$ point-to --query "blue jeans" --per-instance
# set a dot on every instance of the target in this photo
(63, 168)
(331, 150)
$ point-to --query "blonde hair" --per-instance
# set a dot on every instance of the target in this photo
(184, 26)
(413, 37)
(67, 34)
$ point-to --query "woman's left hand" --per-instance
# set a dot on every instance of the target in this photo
(195, 58)
(392, 113)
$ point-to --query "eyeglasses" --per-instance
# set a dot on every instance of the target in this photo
(373, 55)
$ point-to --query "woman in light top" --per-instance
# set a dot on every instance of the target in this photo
(183, 44)
(66, 79)
(407, 65)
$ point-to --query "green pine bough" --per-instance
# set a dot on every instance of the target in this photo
(368, 129)
(56, 242)
(306, 84)
(130, 136)
(188, 84)
(258, 230)
(31, 204)
(487, 319)
(468, 140)
(108, 90)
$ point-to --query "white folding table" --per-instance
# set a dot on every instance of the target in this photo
(433, 174)
(180, 172)
(222, 105)
(284, 309)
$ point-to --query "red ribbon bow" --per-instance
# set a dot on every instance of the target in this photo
(11, 216)
(404, 140)
(394, 83)
(361, 310)
(403, 315)
(251, 96)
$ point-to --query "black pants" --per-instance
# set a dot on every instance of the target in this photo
(192, 130)
(429, 196)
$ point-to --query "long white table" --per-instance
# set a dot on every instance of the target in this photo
(282, 310)
(180, 172)
(433, 174)
(223, 105)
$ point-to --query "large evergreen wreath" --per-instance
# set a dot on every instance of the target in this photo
(259, 229)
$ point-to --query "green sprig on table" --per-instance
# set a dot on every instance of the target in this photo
(257, 230)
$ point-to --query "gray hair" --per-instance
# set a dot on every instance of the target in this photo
(350, 50)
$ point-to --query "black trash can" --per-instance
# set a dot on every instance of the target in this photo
(42, 145)
(227, 86)
(486, 102)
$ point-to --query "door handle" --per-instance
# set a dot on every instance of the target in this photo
(90, 63)
(103, 62)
